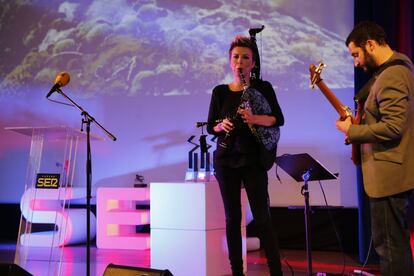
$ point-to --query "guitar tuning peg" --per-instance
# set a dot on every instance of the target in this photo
(321, 65)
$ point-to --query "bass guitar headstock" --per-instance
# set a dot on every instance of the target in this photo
(315, 73)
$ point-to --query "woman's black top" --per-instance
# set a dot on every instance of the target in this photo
(243, 148)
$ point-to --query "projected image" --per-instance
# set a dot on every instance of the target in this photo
(145, 69)
(149, 47)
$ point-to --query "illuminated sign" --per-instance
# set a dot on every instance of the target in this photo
(47, 180)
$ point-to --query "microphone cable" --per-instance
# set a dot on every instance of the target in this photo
(59, 102)
(361, 271)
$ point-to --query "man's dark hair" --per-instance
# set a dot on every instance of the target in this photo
(364, 31)
(242, 41)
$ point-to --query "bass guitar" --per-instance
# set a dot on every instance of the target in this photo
(343, 111)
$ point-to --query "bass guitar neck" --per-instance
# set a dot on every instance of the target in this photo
(343, 111)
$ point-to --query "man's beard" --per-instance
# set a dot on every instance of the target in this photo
(370, 66)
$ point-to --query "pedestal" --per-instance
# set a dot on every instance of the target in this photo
(188, 234)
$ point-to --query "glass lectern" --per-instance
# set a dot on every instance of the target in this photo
(47, 223)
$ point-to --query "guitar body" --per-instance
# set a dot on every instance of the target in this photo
(356, 148)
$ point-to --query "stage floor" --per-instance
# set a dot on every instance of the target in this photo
(74, 257)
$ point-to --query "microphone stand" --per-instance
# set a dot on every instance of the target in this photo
(87, 120)
(305, 192)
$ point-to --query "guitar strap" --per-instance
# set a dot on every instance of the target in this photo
(362, 94)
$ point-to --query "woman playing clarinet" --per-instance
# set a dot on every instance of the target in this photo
(238, 159)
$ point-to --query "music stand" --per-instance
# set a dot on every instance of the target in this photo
(302, 167)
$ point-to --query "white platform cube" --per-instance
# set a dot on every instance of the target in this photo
(191, 252)
(188, 234)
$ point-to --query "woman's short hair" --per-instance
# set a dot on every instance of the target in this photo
(242, 41)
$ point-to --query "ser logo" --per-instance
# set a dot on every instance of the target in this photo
(47, 180)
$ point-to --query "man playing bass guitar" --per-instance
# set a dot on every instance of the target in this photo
(386, 138)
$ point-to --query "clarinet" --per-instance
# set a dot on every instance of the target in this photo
(246, 103)
(225, 143)
(236, 118)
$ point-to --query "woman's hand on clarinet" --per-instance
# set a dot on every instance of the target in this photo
(247, 116)
(255, 119)
(226, 125)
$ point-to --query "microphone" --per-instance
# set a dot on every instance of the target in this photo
(254, 31)
(61, 80)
